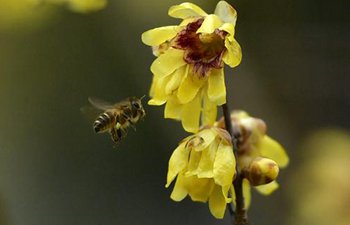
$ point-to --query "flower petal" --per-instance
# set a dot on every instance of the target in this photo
(185, 10)
(217, 203)
(189, 88)
(209, 111)
(179, 192)
(270, 148)
(210, 24)
(224, 165)
(206, 164)
(199, 189)
(193, 163)
(175, 80)
(208, 136)
(156, 102)
(216, 87)
(246, 193)
(229, 28)
(168, 62)
(177, 162)
(159, 35)
(267, 189)
(173, 109)
(226, 12)
(190, 114)
(158, 91)
(233, 55)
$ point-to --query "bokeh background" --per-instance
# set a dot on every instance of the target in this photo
(55, 171)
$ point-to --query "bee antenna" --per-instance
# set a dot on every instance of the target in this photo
(142, 97)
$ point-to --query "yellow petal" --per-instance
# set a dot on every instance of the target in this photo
(229, 28)
(225, 165)
(199, 189)
(233, 55)
(190, 115)
(246, 193)
(210, 24)
(267, 189)
(209, 111)
(185, 10)
(189, 88)
(179, 192)
(177, 162)
(270, 148)
(159, 96)
(208, 136)
(193, 163)
(159, 35)
(156, 102)
(175, 80)
(216, 87)
(206, 164)
(168, 62)
(188, 20)
(217, 203)
(226, 12)
(153, 85)
(173, 109)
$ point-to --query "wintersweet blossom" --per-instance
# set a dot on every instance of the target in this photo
(85, 6)
(204, 167)
(188, 73)
(259, 156)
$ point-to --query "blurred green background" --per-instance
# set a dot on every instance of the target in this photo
(55, 170)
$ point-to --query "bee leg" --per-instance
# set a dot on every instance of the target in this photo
(126, 117)
(114, 136)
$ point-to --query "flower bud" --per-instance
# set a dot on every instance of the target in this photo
(261, 171)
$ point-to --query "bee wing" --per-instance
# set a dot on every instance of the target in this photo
(90, 112)
(100, 104)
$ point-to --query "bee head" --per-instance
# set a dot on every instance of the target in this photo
(137, 105)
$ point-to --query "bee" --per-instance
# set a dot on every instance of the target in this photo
(117, 118)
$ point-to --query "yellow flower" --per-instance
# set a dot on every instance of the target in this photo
(204, 165)
(85, 6)
(188, 74)
(260, 156)
(81, 6)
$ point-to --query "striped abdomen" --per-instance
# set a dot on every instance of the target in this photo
(104, 122)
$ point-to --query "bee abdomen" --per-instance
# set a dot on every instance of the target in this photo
(103, 122)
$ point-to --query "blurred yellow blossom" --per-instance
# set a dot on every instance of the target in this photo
(21, 13)
(85, 6)
(188, 74)
(259, 156)
(81, 6)
(204, 165)
(319, 190)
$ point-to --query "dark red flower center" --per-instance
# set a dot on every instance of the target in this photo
(204, 51)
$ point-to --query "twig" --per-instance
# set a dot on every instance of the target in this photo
(240, 214)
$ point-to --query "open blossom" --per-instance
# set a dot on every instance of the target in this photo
(259, 156)
(188, 73)
(204, 167)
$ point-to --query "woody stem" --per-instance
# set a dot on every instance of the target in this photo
(240, 214)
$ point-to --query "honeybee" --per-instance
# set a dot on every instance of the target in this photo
(117, 118)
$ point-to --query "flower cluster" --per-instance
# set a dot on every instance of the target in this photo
(188, 76)
(204, 165)
(188, 73)
(259, 156)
